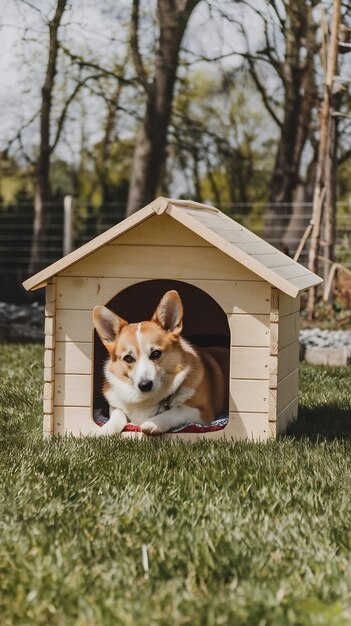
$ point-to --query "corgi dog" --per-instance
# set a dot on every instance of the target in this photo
(154, 377)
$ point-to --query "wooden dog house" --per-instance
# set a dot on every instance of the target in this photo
(236, 289)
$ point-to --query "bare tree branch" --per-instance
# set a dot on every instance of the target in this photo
(134, 44)
(277, 13)
(201, 57)
(33, 7)
(69, 100)
(262, 90)
(250, 57)
(24, 152)
(102, 94)
(18, 135)
(94, 66)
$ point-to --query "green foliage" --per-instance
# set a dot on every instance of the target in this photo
(224, 138)
(100, 180)
(16, 229)
(335, 316)
(344, 172)
(240, 533)
(15, 182)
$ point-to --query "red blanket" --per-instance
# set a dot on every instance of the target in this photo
(217, 424)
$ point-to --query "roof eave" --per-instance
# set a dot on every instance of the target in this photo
(40, 279)
(242, 257)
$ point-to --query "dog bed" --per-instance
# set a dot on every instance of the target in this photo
(218, 424)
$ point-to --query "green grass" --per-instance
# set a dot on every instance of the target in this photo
(254, 534)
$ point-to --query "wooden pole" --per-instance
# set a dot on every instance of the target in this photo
(329, 233)
(324, 145)
(303, 240)
(67, 225)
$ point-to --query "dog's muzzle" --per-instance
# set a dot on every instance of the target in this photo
(145, 385)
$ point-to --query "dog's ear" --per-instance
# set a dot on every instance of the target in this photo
(169, 313)
(108, 326)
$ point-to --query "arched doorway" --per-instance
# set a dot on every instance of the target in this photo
(205, 322)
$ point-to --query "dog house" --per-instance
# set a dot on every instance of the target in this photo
(237, 290)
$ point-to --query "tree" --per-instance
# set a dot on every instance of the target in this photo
(297, 73)
(326, 173)
(291, 68)
(67, 73)
(42, 191)
(219, 139)
(151, 142)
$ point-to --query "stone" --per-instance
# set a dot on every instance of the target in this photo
(327, 356)
(21, 322)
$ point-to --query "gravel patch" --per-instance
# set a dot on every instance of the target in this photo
(325, 347)
(23, 322)
(315, 337)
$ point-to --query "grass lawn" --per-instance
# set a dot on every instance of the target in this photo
(242, 533)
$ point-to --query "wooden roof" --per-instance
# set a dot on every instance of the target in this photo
(221, 231)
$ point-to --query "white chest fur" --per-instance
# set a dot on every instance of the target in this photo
(136, 406)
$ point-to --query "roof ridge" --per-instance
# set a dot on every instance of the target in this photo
(199, 206)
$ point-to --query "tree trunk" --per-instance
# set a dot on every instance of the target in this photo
(300, 217)
(42, 192)
(103, 162)
(299, 99)
(301, 213)
(321, 188)
(151, 142)
(330, 199)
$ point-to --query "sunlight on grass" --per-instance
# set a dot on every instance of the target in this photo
(236, 533)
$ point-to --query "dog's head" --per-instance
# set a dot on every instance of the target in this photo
(147, 353)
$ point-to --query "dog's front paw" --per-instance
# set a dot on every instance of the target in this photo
(112, 429)
(115, 424)
(151, 428)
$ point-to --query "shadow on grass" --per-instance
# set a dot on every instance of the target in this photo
(22, 341)
(25, 333)
(325, 422)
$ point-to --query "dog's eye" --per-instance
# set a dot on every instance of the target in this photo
(155, 354)
(128, 358)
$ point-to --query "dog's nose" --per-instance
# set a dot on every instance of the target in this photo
(145, 385)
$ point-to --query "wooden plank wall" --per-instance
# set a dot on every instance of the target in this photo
(273, 359)
(97, 279)
(249, 364)
(249, 373)
(288, 361)
(49, 357)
